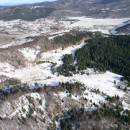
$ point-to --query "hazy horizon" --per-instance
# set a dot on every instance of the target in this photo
(18, 2)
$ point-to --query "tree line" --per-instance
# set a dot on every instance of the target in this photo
(111, 52)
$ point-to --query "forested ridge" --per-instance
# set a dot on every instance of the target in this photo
(71, 38)
(101, 53)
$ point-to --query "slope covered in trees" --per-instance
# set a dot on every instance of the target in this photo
(102, 53)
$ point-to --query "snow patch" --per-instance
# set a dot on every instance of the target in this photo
(42, 74)
(26, 104)
(30, 53)
(92, 24)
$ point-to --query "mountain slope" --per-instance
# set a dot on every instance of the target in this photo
(25, 13)
(99, 8)
(91, 8)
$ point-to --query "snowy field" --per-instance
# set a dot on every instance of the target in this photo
(30, 54)
(114, 30)
(92, 24)
(42, 74)
(18, 32)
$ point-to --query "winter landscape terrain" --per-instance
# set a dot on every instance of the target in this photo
(65, 71)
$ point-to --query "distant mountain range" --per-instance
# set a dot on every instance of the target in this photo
(90, 8)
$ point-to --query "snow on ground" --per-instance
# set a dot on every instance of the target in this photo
(30, 53)
(26, 102)
(63, 94)
(38, 72)
(53, 36)
(16, 43)
(42, 74)
(104, 82)
(33, 73)
(6, 68)
(92, 24)
(114, 30)
(93, 97)
(56, 56)
(58, 33)
(23, 31)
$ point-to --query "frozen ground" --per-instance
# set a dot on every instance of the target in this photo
(90, 24)
(40, 70)
(42, 74)
(114, 30)
(30, 53)
(18, 32)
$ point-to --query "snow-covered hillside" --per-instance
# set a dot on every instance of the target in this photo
(39, 69)
(18, 32)
(102, 25)
(43, 75)
(42, 95)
